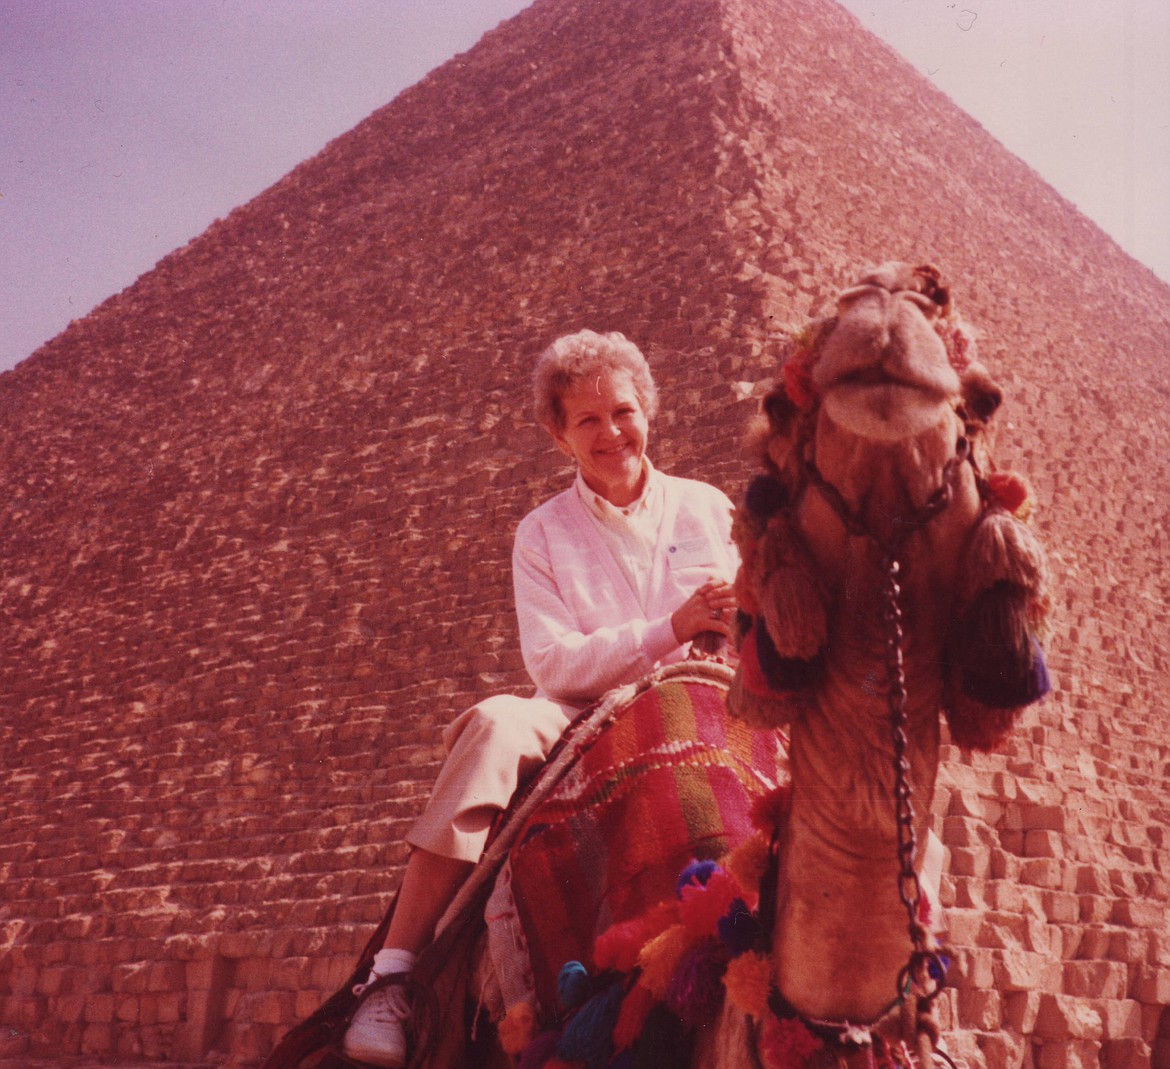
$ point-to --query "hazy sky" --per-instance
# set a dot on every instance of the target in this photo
(128, 126)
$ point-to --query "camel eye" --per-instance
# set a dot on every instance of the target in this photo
(779, 409)
(984, 403)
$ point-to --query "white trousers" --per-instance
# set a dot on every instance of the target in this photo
(491, 748)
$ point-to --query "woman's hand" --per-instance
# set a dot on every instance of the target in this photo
(710, 608)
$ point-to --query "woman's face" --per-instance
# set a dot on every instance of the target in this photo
(605, 432)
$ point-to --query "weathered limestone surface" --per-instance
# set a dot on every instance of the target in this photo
(256, 513)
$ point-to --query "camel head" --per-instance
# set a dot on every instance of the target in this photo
(883, 370)
(894, 362)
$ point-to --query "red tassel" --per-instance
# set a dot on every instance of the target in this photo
(619, 945)
(769, 810)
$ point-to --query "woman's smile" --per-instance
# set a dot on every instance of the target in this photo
(605, 431)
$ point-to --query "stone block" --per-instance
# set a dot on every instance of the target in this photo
(1048, 844)
(1020, 1010)
(1043, 872)
(271, 1007)
(964, 927)
(126, 1008)
(1064, 1017)
(99, 1009)
(1138, 913)
(1022, 970)
(975, 966)
(1095, 979)
(98, 1038)
(1121, 1017)
(970, 861)
(1005, 895)
(1127, 1053)
(963, 1047)
(306, 1003)
(1004, 865)
(1069, 1054)
(966, 832)
(1092, 880)
(170, 1007)
(980, 1010)
(1151, 986)
(1096, 909)
(1002, 1050)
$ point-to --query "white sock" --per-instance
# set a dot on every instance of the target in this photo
(391, 960)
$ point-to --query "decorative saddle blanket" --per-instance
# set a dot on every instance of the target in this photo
(667, 778)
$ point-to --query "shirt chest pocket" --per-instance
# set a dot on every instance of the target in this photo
(694, 561)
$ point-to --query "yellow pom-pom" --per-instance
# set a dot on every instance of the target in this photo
(748, 981)
(660, 957)
(748, 862)
(518, 1028)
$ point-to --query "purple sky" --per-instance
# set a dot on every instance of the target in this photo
(128, 126)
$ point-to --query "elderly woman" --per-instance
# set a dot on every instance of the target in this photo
(613, 577)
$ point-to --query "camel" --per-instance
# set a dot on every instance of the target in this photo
(888, 577)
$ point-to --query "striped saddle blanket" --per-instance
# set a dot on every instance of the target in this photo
(655, 776)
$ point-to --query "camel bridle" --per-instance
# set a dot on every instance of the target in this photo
(925, 971)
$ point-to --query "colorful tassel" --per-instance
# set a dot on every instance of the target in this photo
(748, 981)
(588, 1037)
(701, 908)
(696, 874)
(749, 861)
(784, 674)
(1012, 491)
(620, 944)
(660, 958)
(573, 985)
(1004, 550)
(787, 1043)
(796, 621)
(695, 992)
(769, 811)
(798, 382)
(739, 929)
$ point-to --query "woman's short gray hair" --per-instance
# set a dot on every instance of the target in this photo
(583, 355)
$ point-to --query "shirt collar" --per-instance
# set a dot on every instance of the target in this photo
(603, 509)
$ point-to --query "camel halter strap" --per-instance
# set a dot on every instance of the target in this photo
(925, 967)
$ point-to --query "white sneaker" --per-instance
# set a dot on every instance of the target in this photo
(377, 1035)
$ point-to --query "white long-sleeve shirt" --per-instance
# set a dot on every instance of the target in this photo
(584, 627)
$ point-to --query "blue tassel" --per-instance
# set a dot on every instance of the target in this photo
(573, 985)
(739, 930)
(1015, 685)
(588, 1037)
(697, 873)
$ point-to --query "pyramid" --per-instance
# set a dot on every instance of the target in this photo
(257, 512)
